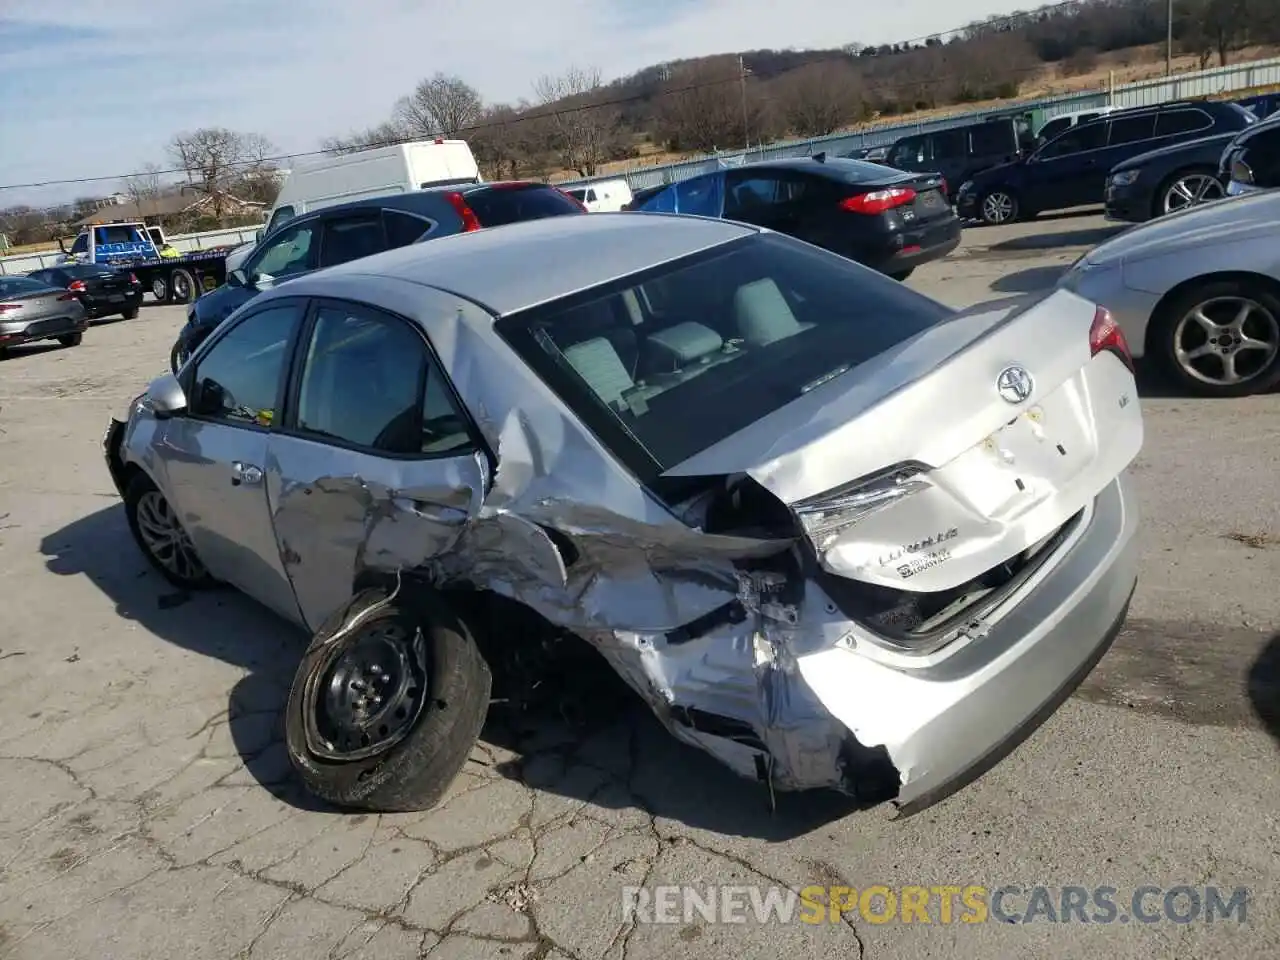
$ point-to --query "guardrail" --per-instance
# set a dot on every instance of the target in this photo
(1183, 86)
(22, 263)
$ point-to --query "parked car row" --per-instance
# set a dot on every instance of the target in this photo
(57, 303)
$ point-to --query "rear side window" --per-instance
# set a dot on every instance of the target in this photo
(498, 205)
(700, 196)
(992, 139)
(351, 238)
(1173, 122)
(1131, 130)
(404, 228)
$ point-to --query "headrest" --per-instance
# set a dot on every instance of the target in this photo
(687, 342)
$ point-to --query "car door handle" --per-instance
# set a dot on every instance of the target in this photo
(246, 474)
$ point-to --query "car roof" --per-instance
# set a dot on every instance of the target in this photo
(519, 265)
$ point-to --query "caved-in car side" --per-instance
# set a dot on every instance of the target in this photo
(832, 532)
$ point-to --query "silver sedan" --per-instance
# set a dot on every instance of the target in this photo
(833, 532)
(1198, 292)
(32, 310)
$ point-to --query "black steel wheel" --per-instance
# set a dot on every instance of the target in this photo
(387, 702)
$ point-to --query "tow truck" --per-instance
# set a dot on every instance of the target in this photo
(171, 276)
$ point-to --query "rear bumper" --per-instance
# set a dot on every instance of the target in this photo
(912, 252)
(945, 723)
(47, 329)
(102, 306)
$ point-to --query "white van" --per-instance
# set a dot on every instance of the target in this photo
(373, 173)
(608, 196)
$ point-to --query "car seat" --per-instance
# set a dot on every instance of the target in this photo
(763, 314)
(597, 362)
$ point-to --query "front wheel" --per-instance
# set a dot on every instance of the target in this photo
(387, 703)
(998, 207)
(1222, 338)
(161, 537)
(1187, 189)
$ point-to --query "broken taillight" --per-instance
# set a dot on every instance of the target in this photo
(825, 516)
(1106, 335)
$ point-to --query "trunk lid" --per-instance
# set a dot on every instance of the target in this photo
(33, 306)
(973, 479)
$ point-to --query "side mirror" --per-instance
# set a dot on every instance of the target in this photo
(165, 397)
(237, 278)
(257, 237)
(62, 246)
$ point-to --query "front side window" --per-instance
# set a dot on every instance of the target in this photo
(908, 153)
(350, 238)
(665, 364)
(238, 380)
(1081, 137)
(290, 252)
(369, 381)
(752, 193)
(1054, 127)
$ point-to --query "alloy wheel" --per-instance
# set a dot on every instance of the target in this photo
(165, 538)
(1226, 341)
(1191, 191)
(997, 207)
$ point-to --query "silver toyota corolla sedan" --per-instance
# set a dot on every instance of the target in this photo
(833, 533)
(1198, 292)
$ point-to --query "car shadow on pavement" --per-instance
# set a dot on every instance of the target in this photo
(218, 623)
(1264, 687)
(1052, 240)
(1031, 280)
(586, 736)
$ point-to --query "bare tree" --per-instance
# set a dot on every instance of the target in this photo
(143, 187)
(216, 158)
(820, 98)
(379, 136)
(439, 106)
(585, 129)
(700, 108)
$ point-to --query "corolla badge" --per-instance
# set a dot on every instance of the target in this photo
(1014, 384)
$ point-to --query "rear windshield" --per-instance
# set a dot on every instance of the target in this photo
(855, 171)
(20, 286)
(85, 270)
(664, 364)
(494, 206)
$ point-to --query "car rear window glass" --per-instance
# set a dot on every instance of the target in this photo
(682, 356)
(20, 286)
(497, 205)
(856, 171)
(1172, 122)
(85, 270)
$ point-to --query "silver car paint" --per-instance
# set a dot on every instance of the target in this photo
(798, 673)
(48, 307)
(1132, 272)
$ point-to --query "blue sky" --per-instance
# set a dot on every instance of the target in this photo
(98, 87)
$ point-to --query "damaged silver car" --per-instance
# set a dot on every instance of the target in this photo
(833, 533)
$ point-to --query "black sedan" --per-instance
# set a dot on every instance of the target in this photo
(887, 219)
(102, 291)
(32, 310)
(1167, 180)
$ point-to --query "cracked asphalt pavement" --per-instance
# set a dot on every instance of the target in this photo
(147, 808)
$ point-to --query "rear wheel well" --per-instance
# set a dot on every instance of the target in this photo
(1154, 328)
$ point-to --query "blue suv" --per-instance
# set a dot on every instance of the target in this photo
(1071, 169)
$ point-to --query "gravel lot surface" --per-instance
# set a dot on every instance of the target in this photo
(146, 807)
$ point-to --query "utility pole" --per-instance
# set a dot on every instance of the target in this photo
(742, 79)
(1168, 50)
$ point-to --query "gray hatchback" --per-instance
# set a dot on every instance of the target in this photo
(32, 310)
(832, 532)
